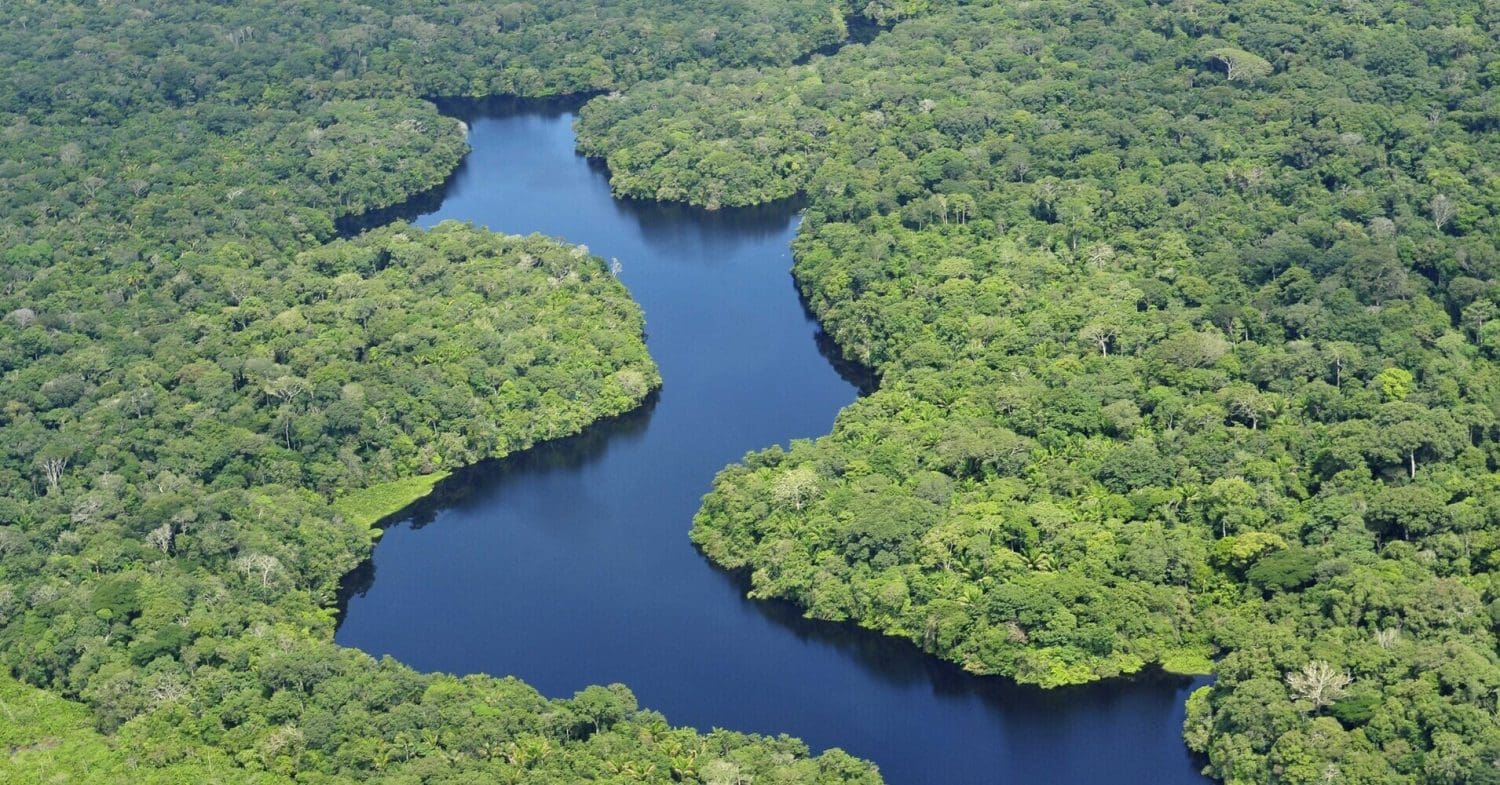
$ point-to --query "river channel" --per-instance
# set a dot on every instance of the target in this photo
(570, 564)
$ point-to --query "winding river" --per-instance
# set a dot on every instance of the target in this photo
(570, 565)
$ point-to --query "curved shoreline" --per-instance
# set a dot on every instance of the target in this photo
(486, 548)
(407, 493)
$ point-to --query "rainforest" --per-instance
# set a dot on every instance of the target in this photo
(1177, 323)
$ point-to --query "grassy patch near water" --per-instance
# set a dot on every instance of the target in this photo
(368, 505)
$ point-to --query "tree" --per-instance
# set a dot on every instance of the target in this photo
(604, 706)
(160, 538)
(1239, 551)
(1408, 510)
(1099, 334)
(1395, 383)
(1340, 355)
(1246, 403)
(260, 565)
(1240, 65)
(1443, 210)
(92, 185)
(1408, 432)
(1231, 504)
(286, 388)
(795, 486)
(70, 154)
(1318, 684)
(1479, 313)
(886, 12)
(23, 317)
(963, 206)
(53, 460)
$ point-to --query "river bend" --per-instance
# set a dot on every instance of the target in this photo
(570, 565)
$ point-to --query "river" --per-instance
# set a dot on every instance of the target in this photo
(570, 565)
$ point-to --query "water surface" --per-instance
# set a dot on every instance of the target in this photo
(570, 564)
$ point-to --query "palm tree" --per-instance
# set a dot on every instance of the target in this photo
(1038, 560)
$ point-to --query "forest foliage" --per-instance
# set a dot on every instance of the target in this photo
(206, 395)
(1185, 318)
(51, 740)
(1185, 321)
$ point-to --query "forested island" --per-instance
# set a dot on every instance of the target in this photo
(1184, 317)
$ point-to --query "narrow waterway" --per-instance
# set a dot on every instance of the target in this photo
(570, 565)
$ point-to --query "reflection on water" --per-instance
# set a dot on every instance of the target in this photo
(569, 564)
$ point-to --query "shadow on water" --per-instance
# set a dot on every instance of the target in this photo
(900, 662)
(470, 485)
(499, 107)
(863, 378)
(418, 204)
(667, 220)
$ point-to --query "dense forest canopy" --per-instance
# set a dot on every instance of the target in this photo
(1185, 318)
(49, 740)
(207, 396)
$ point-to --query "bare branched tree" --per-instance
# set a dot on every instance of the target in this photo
(52, 467)
(1101, 335)
(259, 565)
(1443, 211)
(1318, 683)
(160, 538)
(23, 317)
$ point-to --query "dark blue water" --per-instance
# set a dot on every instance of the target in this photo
(570, 565)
